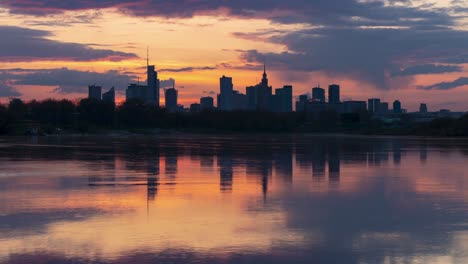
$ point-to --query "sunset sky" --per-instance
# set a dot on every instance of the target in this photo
(412, 50)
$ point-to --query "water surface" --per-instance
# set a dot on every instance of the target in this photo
(233, 199)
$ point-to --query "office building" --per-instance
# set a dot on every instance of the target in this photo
(423, 109)
(282, 101)
(334, 94)
(226, 93)
(94, 92)
(149, 93)
(260, 96)
(239, 101)
(373, 105)
(397, 107)
(383, 108)
(109, 96)
(318, 94)
(301, 104)
(354, 106)
(206, 103)
(171, 100)
(136, 92)
(195, 108)
(152, 89)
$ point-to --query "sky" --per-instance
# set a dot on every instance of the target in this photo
(412, 50)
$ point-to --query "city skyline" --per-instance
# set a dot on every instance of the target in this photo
(391, 49)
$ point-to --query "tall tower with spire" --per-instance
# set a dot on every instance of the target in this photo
(265, 76)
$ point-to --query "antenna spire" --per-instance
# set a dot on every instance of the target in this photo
(147, 56)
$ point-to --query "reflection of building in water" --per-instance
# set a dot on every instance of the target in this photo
(423, 154)
(318, 162)
(225, 164)
(106, 163)
(396, 153)
(283, 159)
(170, 165)
(206, 161)
(377, 155)
(334, 165)
(152, 179)
(260, 168)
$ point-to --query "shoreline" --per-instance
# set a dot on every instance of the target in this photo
(179, 133)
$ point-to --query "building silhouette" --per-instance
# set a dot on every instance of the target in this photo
(354, 106)
(423, 108)
(373, 105)
(397, 107)
(239, 101)
(260, 95)
(318, 94)
(225, 96)
(383, 109)
(334, 94)
(301, 104)
(109, 96)
(282, 100)
(206, 103)
(171, 100)
(195, 108)
(147, 93)
(152, 90)
(94, 92)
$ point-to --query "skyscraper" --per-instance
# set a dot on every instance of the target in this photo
(397, 107)
(318, 94)
(152, 90)
(283, 99)
(109, 96)
(226, 91)
(206, 103)
(94, 92)
(383, 108)
(171, 100)
(301, 104)
(423, 109)
(334, 94)
(260, 96)
(373, 105)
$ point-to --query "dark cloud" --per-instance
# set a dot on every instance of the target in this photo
(188, 69)
(7, 91)
(447, 85)
(427, 69)
(66, 80)
(332, 12)
(369, 55)
(23, 44)
(361, 40)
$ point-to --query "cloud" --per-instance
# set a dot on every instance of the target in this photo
(8, 91)
(427, 69)
(447, 85)
(368, 55)
(361, 40)
(163, 84)
(23, 44)
(66, 80)
(332, 12)
(188, 69)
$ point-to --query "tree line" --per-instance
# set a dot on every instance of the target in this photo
(52, 116)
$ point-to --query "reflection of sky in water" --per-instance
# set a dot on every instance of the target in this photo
(234, 200)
